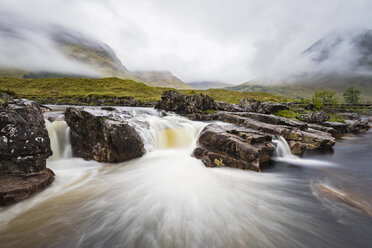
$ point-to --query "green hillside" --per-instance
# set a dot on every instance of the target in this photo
(75, 88)
(306, 88)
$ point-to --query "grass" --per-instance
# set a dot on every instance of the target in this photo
(286, 114)
(73, 88)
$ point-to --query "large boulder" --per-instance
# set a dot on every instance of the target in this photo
(24, 148)
(250, 105)
(103, 135)
(185, 104)
(231, 146)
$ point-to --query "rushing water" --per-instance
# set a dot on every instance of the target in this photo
(167, 198)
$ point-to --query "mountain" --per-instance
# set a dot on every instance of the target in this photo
(337, 61)
(161, 79)
(208, 85)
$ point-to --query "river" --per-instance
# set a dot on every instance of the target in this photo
(167, 198)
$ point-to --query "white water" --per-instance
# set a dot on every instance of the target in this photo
(283, 154)
(166, 198)
(59, 134)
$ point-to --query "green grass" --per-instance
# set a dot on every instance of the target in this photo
(74, 88)
(286, 114)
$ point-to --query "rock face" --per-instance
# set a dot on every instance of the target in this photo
(24, 148)
(233, 147)
(105, 135)
(185, 104)
(250, 105)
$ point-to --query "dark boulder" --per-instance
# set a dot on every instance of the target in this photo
(235, 147)
(250, 105)
(185, 104)
(105, 136)
(24, 148)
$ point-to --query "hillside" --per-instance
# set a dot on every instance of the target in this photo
(75, 88)
(306, 89)
(161, 79)
(208, 85)
(338, 61)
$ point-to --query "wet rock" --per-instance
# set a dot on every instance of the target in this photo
(272, 119)
(17, 188)
(185, 104)
(24, 148)
(341, 128)
(330, 130)
(314, 117)
(235, 147)
(351, 116)
(297, 147)
(105, 136)
(313, 139)
(356, 126)
(222, 106)
(250, 105)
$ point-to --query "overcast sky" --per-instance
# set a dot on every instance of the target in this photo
(231, 41)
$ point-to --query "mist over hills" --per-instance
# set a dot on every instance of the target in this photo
(204, 85)
(336, 62)
(58, 52)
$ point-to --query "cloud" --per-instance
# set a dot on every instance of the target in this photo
(232, 41)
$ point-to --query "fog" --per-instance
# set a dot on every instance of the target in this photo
(232, 41)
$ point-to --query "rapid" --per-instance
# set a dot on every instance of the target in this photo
(167, 198)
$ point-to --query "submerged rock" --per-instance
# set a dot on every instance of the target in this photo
(235, 147)
(105, 136)
(185, 104)
(24, 148)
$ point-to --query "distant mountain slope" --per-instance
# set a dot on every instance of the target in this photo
(93, 54)
(161, 79)
(208, 85)
(306, 89)
(338, 61)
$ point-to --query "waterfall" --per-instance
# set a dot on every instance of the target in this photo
(282, 149)
(170, 132)
(283, 154)
(59, 134)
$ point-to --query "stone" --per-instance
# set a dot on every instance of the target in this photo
(185, 104)
(223, 106)
(297, 147)
(250, 105)
(231, 146)
(314, 117)
(24, 148)
(105, 136)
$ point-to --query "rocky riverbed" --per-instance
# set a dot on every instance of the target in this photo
(238, 136)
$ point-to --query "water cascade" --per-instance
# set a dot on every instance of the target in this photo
(167, 198)
(59, 134)
(283, 154)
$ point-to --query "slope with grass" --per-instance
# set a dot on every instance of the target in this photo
(74, 88)
(306, 88)
(161, 79)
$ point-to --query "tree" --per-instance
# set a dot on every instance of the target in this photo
(324, 97)
(352, 95)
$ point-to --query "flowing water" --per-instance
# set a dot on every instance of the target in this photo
(167, 198)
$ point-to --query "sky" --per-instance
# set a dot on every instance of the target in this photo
(197, 40)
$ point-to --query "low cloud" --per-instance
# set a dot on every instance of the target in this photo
(232, 41)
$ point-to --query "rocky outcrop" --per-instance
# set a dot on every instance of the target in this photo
(250, 105)
(313, 139)
(103, 135)
(223, 106)
(24, 148)
(314, 117)
(185, 104)
(235, 147)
